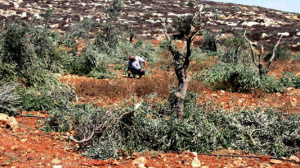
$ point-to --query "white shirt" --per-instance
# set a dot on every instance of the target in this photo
(137, 63)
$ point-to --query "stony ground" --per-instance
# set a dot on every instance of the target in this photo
(146, 16)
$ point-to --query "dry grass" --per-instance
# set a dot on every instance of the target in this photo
(286, 65)
(124, 87)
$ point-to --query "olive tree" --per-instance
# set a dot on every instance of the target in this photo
(262, 70)
(189, 26)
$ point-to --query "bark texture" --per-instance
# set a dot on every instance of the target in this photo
(181, 63)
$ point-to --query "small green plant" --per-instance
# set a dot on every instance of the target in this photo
(191, 4)
(119, 67)
(281, 54)
(101, 72)
(234, 77)
(209, 42)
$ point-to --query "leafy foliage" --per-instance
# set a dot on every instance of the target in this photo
(183, 24)
(235, 53)
(9, 100)
(209, 42)
(204, 129)
(232, 76)
(45, 93)
(281, 54)
(240, 78)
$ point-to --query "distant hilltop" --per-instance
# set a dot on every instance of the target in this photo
(145, 17)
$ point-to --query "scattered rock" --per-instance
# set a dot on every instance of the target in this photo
(196, 162)
(12, 122)
(14, 147)
(284, 34)
(264, 35)
(294, 158)
(222, 104)
(274, 161)
(240, 101)
(249, 24)
(23, 140)
(214, 95)
(2, 150)
(5, 163)
(140, 162)
(56, 161)
(3, 120)
(293, 102)
(113, 162)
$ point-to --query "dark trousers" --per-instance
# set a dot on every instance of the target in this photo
(135, 71)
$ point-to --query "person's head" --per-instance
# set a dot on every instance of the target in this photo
(131, 58)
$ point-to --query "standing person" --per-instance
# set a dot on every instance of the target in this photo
(135, 66)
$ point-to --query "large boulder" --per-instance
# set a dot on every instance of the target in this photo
(3, 120)
(6, 121)
(13, 123)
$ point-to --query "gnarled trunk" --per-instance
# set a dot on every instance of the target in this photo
(183, 83)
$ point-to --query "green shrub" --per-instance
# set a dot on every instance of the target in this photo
(101, 72)
(44, 93)
(120, 67)
(296, 57)
(141, 48)
(280, 54)
(209, 42)
(30, 47)
(272, 85)
(16, 46)
(191, 4)
(8, 72)
(232, 77)
(236, 47)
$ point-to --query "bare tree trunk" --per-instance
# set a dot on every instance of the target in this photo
(262, 70)
(181, 94)
(131, 38)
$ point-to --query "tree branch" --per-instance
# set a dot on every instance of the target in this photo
(101, 127)
(273, 54)
(166, 32)
(251, 47)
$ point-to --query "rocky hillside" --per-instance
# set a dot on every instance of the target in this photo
(145, 17)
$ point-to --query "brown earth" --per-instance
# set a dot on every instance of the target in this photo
(107, 92)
